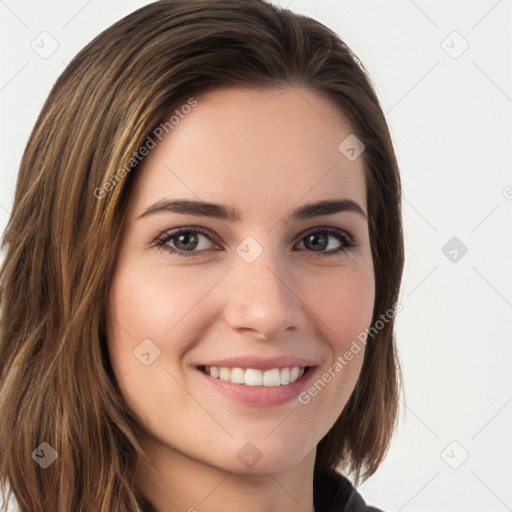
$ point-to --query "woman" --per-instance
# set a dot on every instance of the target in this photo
(206, 234)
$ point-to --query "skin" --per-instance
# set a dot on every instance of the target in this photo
(265, 153)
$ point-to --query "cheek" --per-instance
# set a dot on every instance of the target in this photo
(164, 306)
(141, 308)
(344, 306)
(153, 301)
(147, 320)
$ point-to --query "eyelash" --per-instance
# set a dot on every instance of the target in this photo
(348, 242)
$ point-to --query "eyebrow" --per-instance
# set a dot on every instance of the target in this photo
(218, 211)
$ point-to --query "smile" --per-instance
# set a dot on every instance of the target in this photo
(271, 377)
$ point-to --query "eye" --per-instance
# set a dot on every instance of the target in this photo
(327, 241)
(192, 241)
(186, 242)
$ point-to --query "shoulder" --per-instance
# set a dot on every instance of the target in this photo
(334, 493)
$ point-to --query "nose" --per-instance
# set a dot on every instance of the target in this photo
(260, 299)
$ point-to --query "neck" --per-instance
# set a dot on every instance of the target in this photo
(176, 482)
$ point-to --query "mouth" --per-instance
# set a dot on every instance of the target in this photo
(256, 380)
(256, 377)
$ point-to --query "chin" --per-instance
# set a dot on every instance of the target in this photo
(263, 455)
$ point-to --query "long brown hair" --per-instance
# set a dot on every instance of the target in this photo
(56, 382)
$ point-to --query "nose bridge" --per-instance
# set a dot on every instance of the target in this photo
(260, 297)
(260, 270)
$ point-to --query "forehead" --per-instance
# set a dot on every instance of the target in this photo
(246, 144)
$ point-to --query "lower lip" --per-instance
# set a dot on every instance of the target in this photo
(259, 396)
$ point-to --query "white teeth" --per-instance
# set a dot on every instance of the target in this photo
(224, 373)
(272, 377)
(237, 376)
(254, 377)
(294, 374)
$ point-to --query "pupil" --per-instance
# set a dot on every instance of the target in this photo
(316, 245)
(184, 240)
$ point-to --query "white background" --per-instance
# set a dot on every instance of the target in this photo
(451, 124)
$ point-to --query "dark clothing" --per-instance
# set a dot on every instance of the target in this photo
(334, 493)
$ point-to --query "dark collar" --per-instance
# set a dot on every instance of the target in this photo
(332, 492)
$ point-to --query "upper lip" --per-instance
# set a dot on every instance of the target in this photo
(261, 363)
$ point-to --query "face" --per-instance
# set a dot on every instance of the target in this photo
(215, 310)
